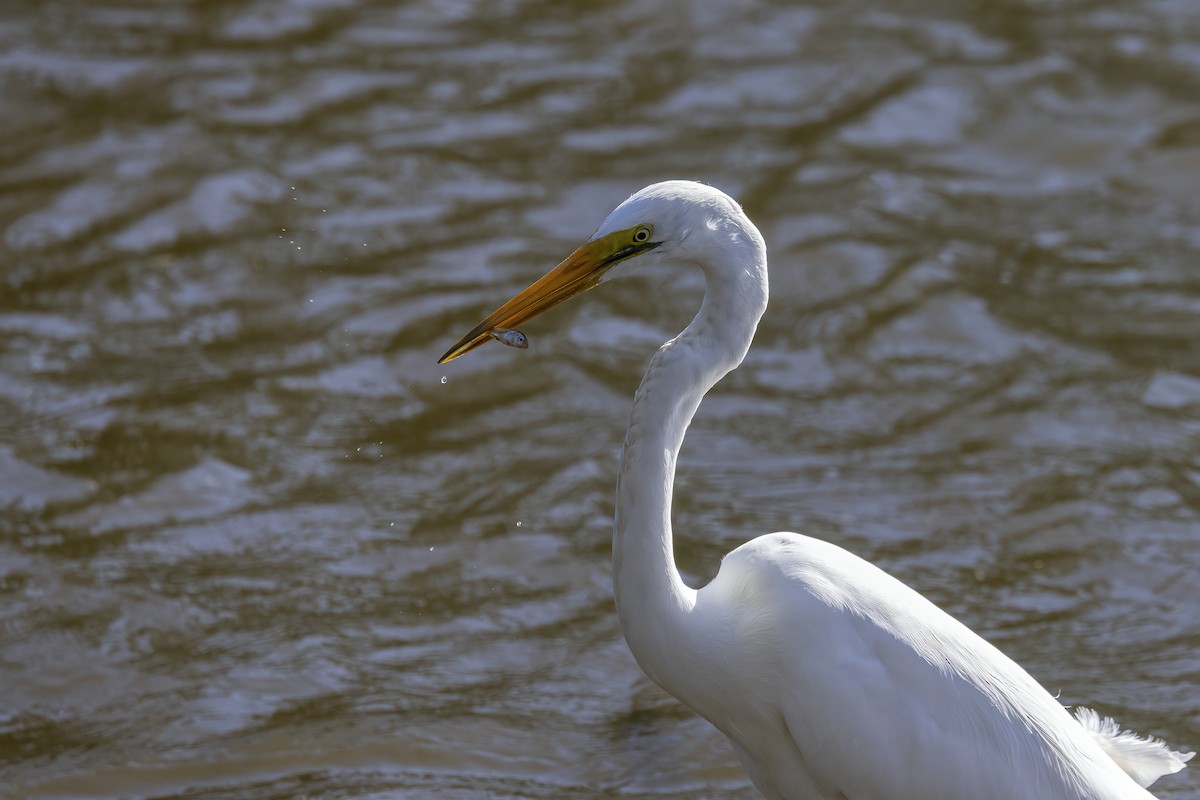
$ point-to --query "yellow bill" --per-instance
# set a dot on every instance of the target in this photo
(577, 273)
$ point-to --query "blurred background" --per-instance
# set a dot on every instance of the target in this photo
(255, 543)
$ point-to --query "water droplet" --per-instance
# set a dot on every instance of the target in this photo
(443, 377)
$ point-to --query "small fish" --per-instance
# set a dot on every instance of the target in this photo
(510, 337)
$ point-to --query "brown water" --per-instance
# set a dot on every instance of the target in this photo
(256, 544)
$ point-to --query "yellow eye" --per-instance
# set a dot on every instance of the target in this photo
(642, 234)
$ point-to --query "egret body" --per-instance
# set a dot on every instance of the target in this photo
(832, 679)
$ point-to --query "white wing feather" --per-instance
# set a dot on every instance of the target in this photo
(1144, 759)
(882, 694)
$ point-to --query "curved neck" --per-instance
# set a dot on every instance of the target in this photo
(652, 600)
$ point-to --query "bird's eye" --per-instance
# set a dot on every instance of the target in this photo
(641, 235)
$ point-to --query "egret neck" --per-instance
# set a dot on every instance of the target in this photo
(653, 602)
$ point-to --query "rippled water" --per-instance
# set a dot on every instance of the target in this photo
(255, 543)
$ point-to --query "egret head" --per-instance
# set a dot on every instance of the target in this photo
(663, 222)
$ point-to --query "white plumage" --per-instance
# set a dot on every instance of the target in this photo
(832, 679)
(1145, 760)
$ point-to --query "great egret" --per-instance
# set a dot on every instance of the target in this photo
(831, 678)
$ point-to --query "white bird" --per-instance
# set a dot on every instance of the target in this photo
(831, 678)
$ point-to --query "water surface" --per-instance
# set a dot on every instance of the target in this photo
(255, 543)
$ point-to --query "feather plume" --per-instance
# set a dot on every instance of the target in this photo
(1143, 759)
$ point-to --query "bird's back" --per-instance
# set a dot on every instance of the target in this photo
(850, 684)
